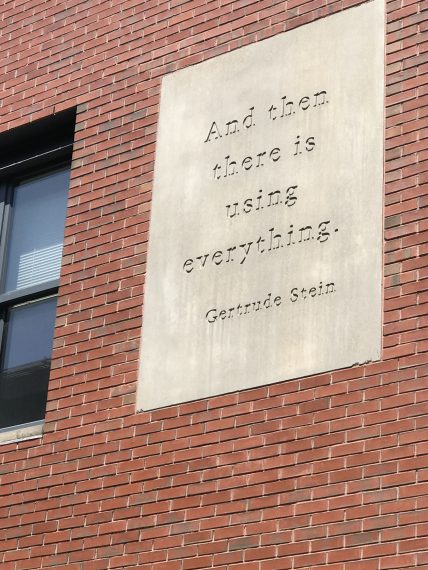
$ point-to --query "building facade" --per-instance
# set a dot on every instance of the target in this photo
(327, 471)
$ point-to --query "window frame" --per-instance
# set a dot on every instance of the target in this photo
(7, 188)
(28, 164)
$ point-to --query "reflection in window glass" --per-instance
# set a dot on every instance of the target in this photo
(37, 229)
(29, 333)
(26, 362)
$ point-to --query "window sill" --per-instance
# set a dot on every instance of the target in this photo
(21, 432)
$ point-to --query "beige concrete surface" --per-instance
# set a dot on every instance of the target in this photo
(265, 246)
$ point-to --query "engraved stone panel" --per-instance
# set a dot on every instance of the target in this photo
(265, 247)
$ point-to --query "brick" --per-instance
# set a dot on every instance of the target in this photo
(298, 474)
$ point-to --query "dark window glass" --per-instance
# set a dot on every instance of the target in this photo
(26, 362)
(33, 257)
(29, 333)
(36, 231)
(23, 393)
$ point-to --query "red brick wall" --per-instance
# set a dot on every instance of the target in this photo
(327, 472)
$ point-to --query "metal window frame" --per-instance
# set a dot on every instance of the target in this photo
(10, 176)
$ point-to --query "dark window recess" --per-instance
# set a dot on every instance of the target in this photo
(33, 198)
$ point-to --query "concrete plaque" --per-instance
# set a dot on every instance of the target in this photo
(265, 251)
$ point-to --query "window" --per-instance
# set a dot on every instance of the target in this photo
(33, 199)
